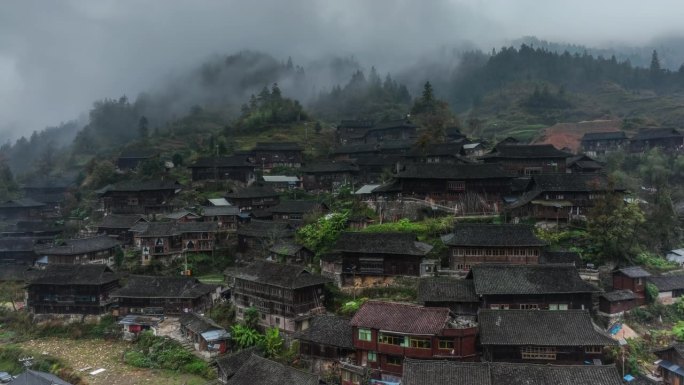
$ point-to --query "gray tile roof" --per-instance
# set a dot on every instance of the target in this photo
(162, 229)
(328, 330)
(432, 372)
(286, 248)
(121, 221)
(492, 235)
(453, 171)
(231, 363)
(33, 377)
(443, 289)
(657, 133)
(17, 273)
(527, 151)
(329, 167)
(234, 161)
(571, 182)
(81, 246)
(198, 324)
(147, 286)
(568, 257)
(382, 243)
(210, 211)
(667, 282)
(149, 185)
(295, 207)
(253, 191)
(540, 328)
(278, 274)
(619, 295)
(74, 275)
(634, 272)
(401, 317)
(261, 371)
(612, 135)
(21, 202)
(528, 279)
(260, 229)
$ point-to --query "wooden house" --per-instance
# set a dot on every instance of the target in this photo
(446, 153)
(282, 182)
(255, 197)
(632, 278)
(17, 251)
(147, 197)
(357, 254)
(278, 154)
(288, 251)
(77, 289)
(666, 139)
(258, 370)
(262, 235)
(386, 333)
(167, 240)
(602, 143)
(294, 211)
(373, 168)
(583, 164)
(225, 217)
(41, 231)
(326, 340)
(531, 287)
(351, 152)
(24, 209)
(227, 365)
(561, 257)
(454, 182)
(284, 295)
(205, 335)
(100, 249)
(617, 302)
(473, 244)
(456, 294)
(34, 377)
(670, 287)
(118, 225)
(237, 168)
(51, 190)
(670, 364)
(329, 176)
(160, 295)
(528, 159)
(133, 325)
(131, 159)
(366, 131)
(434, 372)
(561, 197)
(542, 336)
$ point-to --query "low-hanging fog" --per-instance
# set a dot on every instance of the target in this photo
(57, 57)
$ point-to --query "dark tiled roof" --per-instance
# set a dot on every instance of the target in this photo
(210, 211)
(291, 206)
(677, 347)
(540, 327)
(328, 330)
(12, 244)
(277, 146)
(572, 182)
(21, 202)
(667, 282)
(401, 317)
(74, 275)
(260, 229)
(561, 257)
(386, 160)
(32, 377)
(329, 167)
(442, 289)
(161, 229)
(222, 161)
(121, 221)
(147, 286)
(619, 295)
(438, 149)
(613, 135)
(150, 185)
(634, 272)
(530, 374)
(528, 279)
(231, 363)
(422, 372)
(382, 243)
(277, 274)
(657, 133)
(385, 146)
(253, 191)
(17, 273)
(520, 151)
(198, 324)
(81, 246)
(261, 371)
(492, 235)
(453, 171)
(286, 248)
(51, 182)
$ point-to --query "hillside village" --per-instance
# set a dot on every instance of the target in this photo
(388, 259)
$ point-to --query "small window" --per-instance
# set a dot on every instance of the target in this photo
(394, 360)
(593, 349)
(420, 343)
(499, 306)
(446, 344)
(364, 334)
(456, 185)
(277, 320)
(529, 306)
(372, 356)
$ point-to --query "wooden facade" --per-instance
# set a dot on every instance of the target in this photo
(151, 197)
(634, 279)
(278, 154)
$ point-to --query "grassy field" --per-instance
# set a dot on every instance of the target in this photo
(96, 354)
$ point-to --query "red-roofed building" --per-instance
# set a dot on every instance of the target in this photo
(387, 332)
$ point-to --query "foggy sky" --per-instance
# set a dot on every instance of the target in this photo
(57, 57)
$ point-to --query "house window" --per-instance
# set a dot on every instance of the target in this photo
(533, 171)
(277, 320)
(364, 334)
(346, 376)
(538, 353)
(593, 349)
(499, 306)
(456, 185)
(394, 360)
(372, 357)
(391, 340)
(558, 306)
(420, 343)
(560, 196)
(446, 344)
(529, 306)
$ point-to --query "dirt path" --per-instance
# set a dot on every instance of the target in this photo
(107, 355)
